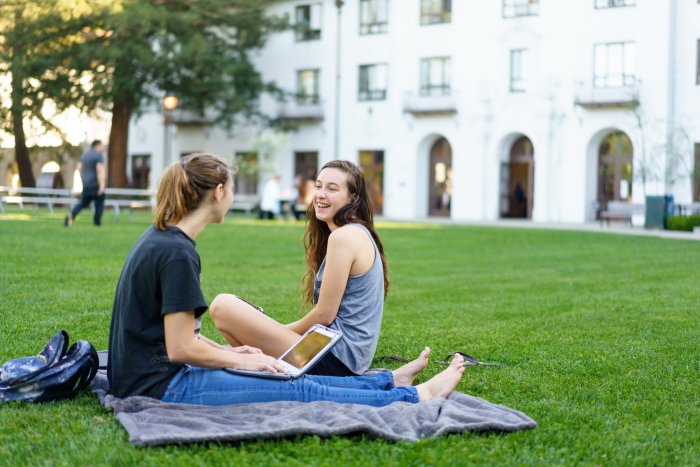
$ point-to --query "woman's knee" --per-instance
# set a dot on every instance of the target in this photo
(222, 307)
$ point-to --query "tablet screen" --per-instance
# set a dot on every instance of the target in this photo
(306, 349)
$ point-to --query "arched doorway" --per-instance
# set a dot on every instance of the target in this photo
(518, 180)
(12, 176)
(50, 176)
(615, 155)
(440, 181)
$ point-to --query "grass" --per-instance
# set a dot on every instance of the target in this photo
(598, 334)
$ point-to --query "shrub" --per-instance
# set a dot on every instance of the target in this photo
(686, 223)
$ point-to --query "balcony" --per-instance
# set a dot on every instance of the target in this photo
(427, 105)
(592, 97)
(182, 117)
(301, 111)
(517, 8)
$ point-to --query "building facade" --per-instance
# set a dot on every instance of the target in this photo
(474, 111)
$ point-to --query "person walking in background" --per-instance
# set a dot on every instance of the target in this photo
(270, 202)
(92, 173)
(298, 195)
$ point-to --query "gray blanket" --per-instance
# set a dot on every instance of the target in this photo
(151, 422)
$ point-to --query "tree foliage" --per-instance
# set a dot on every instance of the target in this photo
(198, 50)
(123, 55)
(41, 44)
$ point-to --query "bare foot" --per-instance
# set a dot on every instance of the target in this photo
(405, 375)
(442, 384)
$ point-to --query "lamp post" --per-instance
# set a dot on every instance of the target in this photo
(336, 122)
(169, 104)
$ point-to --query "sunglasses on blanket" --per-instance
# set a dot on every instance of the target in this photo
(468, 359)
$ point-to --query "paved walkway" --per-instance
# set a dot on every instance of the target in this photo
(614, 228)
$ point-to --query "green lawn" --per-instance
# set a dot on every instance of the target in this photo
(599, 336)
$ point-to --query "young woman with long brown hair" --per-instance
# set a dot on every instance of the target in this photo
(345, 282)
(156, 348)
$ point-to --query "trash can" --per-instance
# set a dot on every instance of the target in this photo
(657, 208)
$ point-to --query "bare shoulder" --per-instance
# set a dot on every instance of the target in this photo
(350, 237)
(347, 233)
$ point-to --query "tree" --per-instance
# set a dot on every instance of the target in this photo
(40, 44)
(196, 49)
(665, 151)
(123, 55)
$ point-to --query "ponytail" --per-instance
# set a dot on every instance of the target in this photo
(184, 185)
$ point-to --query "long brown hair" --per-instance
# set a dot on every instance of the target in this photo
(358, 211)
(185, 184)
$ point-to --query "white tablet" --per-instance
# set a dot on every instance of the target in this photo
(302, 356)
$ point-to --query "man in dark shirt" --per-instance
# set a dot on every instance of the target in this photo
(92, 173)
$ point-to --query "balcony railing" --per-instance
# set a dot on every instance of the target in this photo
(301, 111)
(591, 97)
(183, 117)
(371, 95)
(515, 8)
(417, 104)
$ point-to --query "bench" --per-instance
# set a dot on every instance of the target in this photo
(620, 211)
(687, 209)
(244, 202)
(129, 199)
(48, 197)
(117, 198)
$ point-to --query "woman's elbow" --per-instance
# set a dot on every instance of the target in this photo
(177, 354)
(326, 319)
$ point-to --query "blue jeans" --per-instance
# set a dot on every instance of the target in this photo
(90, 195)
(207, 386)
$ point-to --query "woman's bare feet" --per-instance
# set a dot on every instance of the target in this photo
(405, 375)
(442, 384)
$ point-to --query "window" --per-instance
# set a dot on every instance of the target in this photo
(697, 67)
(308, 22)
(435, 76)
(518, 67)
(513, 8)
(372, 163)
(140, 170)
(614, 3)
(245, 180)
(696, 174)
(613, 65)
(306, 165)
(372, 83)
(374, 16)
(307, 86)
(435, 11)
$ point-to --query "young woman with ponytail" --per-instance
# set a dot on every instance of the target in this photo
(344, 285)
(156, 348)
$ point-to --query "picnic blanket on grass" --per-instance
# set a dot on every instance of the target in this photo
(151, 422)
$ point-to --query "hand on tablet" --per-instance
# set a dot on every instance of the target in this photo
(246, 349)
(257, 362)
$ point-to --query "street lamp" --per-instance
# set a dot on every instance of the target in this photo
(169, 104)
(336, 119)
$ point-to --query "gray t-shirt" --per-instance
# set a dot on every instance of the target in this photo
(88, 172)
(360, 313)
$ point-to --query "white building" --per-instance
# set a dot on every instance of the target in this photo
(478, 110)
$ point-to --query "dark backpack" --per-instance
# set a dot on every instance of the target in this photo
(56, 373)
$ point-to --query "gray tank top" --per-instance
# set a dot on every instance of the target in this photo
(360, 313)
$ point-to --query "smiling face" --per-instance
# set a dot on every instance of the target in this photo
(330, 194)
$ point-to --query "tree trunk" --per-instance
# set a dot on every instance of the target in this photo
(118, 145)
(26, 175)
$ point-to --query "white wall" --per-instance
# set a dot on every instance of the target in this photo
(565, 136)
